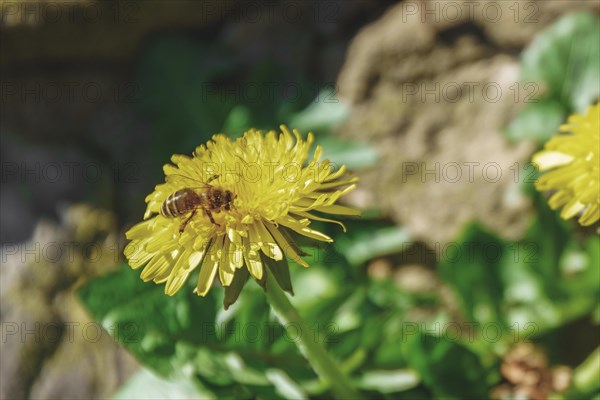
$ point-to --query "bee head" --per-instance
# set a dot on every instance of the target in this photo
(229, 197)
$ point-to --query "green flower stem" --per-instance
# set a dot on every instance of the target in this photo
(325, 367)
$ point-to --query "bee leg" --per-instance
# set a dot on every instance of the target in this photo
(184, 224)
(209, 214)
(212, 178)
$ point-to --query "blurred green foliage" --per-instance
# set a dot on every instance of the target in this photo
(394, 343)
(560, 72)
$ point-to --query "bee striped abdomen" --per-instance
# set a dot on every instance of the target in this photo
(180, 203)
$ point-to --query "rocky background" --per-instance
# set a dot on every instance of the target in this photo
(433, 85)
(75, 128)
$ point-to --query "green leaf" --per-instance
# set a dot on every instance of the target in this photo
(369, 244)
(538, 283)
(246, 323)
(566, 58)
(472, 266)
(103, 294)
(145, 320)
(563, 65)
(325, 112)
(580, 269)
(449, 369)
(564, 266)
(538, 121)
(352, 154)
(549, 235)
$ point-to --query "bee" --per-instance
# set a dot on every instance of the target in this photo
(211, 200)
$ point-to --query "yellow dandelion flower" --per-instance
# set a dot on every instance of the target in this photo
(230, 209)
(575, 161)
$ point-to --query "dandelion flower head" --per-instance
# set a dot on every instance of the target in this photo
(276, 191)
(573, 162)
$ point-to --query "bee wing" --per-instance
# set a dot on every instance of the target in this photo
(191, 182)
